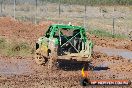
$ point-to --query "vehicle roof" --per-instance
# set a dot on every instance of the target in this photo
(67, 26)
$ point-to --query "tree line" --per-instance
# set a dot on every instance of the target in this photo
(92, 2)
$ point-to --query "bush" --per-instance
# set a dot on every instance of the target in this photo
(15, 49)
(103, 33)
(2, 43)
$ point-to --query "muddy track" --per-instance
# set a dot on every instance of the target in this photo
(112, 42)
(38, 76)
(13, 29)
(20, 72)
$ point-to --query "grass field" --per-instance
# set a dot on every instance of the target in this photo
(103, 33)
(13, 48)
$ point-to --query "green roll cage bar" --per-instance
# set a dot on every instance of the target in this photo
(56, 27)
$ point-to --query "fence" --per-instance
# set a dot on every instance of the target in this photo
(112, 19)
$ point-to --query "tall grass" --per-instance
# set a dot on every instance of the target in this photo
(15, 49)
(93, 2)
(103, 33)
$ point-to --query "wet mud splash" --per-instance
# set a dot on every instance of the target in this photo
(15, 67)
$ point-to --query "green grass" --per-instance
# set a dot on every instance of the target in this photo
(93, 2)
(103, 33)
(2, 43)
(15, 49)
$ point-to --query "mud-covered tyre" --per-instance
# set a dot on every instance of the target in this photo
(39, 58)
(52, 60)
(50, 63)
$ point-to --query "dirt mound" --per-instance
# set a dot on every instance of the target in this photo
(118, 67)
(26, 73)
(15, 29)
(112, 42)
(44, 24)
(11, 28)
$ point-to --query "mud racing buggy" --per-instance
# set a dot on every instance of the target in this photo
(63, 41)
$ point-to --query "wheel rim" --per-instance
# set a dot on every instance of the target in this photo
(39, 59)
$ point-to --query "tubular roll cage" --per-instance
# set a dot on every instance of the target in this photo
(54, 28)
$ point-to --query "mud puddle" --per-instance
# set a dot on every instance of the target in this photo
(15, 67)
(69, 65)
(114, 52)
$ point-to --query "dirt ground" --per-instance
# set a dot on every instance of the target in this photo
(23, 72)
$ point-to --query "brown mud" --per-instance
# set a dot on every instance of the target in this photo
(20, 72)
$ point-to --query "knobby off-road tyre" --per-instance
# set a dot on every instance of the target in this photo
(52, 60)
(39, 57)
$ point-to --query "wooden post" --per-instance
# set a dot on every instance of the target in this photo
(1, 6)
(36, 13)
(59, 8)
(85, 10)
(46, 10)
(113, 31)
(14, 9)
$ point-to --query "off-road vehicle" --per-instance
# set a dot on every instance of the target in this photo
(63, 42)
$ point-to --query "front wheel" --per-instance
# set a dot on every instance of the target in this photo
(39, 57)
(52, 60)
(51, 63)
